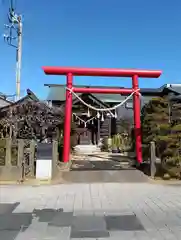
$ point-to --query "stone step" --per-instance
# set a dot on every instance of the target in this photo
(94, 163)
(86, 149)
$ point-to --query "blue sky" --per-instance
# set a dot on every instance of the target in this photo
(96, 33)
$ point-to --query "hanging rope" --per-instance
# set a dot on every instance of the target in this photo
(102, 109)
(85, 122)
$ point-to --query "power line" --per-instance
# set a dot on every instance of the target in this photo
(13, 37)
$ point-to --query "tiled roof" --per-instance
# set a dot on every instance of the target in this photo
(57, 92)
(30, 96)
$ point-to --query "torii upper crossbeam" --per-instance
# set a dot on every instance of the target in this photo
(105, 72)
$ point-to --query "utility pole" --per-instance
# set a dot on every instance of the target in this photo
(14, 39)
(18, 58)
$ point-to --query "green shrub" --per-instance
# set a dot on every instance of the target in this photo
(158, 126)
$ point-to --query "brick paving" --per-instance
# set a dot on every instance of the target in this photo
(129, 211)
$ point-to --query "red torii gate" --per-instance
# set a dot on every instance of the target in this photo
(102, 72)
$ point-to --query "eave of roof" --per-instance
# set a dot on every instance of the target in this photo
(57, 92)
(6, 100)
(30, 95)
(143, 90)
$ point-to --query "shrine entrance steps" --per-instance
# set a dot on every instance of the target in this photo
(102, 167)
(86, 149)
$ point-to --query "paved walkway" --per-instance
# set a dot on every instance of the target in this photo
(91, 211)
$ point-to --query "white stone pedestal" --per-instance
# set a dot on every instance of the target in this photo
(44, 161)
(43, 169)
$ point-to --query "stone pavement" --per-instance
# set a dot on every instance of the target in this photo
(129, 211)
